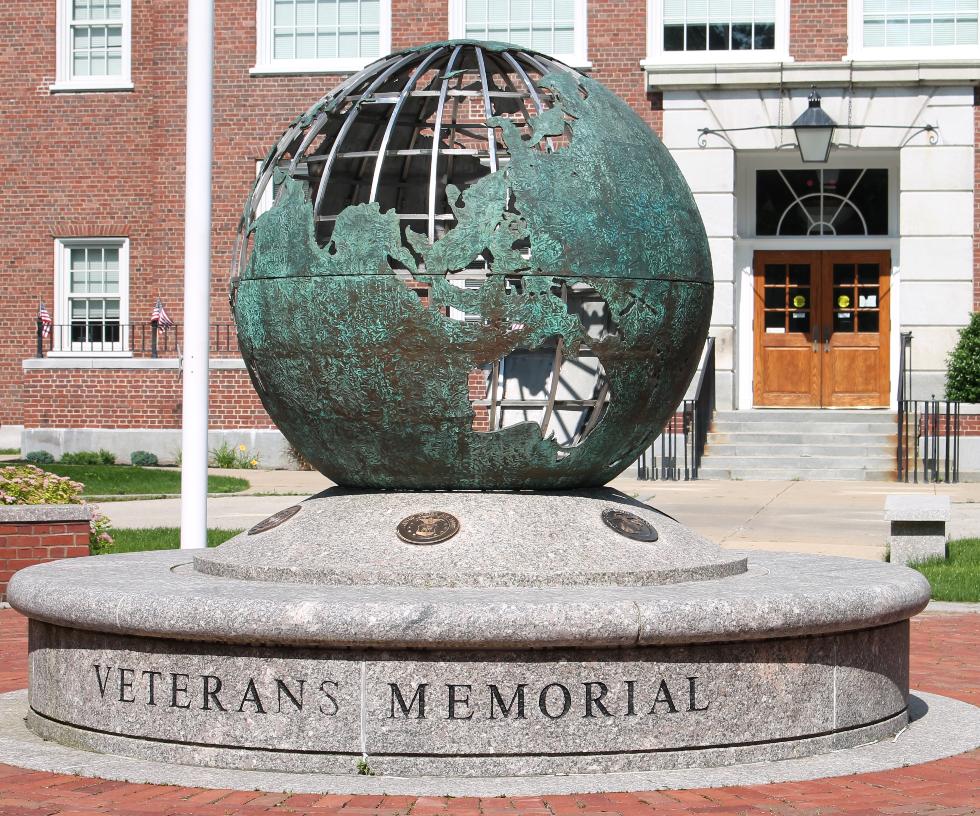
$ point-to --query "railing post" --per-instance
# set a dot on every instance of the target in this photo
(154, 328)
(40, 338)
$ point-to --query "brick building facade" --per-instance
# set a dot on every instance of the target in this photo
(94, 117)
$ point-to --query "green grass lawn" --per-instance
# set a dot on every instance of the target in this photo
(156, 538)
(956, 578)
(125, 480)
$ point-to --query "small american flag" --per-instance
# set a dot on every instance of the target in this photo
(45, 318)
(160, 316)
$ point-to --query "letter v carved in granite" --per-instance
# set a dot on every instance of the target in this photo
(103, 682)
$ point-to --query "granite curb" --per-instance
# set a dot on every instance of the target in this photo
(942, 727)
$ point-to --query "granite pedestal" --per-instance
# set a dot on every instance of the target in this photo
(535, 640)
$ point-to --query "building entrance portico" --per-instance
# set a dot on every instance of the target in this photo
(821, 328)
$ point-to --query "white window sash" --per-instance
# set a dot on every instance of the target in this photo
(657, 56)
(857, 51)
(578, 58)
(61, 314)
(65, 80)
(266, 64)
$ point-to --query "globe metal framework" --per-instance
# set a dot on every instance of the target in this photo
(543, 230)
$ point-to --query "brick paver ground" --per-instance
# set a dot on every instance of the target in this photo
(945, 660)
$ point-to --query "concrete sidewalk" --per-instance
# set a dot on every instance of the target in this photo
(832, 518)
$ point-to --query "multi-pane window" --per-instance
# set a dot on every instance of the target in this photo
(309, 36)
(326, 29)
(93, 44)
(919, 23)
(93, 294)
(92, 284)
(719, 25)
(544, 25)
(96, 38)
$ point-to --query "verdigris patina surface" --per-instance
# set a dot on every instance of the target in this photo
(373, 382)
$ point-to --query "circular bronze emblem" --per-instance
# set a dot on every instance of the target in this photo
(275, 520)
(629, 525)
(433, 527)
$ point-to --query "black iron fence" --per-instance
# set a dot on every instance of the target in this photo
(131, 339)
(676, 454)
(928, 438)
(928, 441)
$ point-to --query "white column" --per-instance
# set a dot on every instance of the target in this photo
(197, 275)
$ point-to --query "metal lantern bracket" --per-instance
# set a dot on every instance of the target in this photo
(703, 133)
(815, 131)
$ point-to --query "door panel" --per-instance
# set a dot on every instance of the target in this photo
(855, 370)
(822, 329)
(786, 360)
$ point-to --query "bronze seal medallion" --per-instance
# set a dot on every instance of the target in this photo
(629, 525)
(275, 520)
(433, 527)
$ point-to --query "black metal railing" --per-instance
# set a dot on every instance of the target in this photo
(928, 432)
(131, 339)
(682, 442)
(928, 441)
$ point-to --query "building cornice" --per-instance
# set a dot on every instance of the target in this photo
(666, 76)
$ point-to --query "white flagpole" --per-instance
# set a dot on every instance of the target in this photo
(197, 275)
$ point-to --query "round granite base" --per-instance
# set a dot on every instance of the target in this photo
(142, 655)
(939, 727)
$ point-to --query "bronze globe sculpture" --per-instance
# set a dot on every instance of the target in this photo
(481, 269)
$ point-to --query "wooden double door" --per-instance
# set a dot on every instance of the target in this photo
(822, 329)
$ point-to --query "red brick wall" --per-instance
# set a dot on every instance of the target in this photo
(23, 545)
(818, 30)
(146, 398)
(617, 45)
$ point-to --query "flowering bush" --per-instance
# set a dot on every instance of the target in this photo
(225, 456)
(27, 484)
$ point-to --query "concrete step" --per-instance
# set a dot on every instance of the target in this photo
(830, 417)
(739, 447)
(797, 462)
(822, 438)
(785, 426)
(795, 474)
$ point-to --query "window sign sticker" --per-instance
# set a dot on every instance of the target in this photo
(845, 315)
(799, 302)
(798, 315)
(867, 301)
(775, 330)
(844, 301)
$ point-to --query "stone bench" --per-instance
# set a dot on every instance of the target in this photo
(918, 527)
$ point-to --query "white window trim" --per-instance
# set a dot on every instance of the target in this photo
(856, 51)
(577, 59)
(64, 80)
(657, 56)
(265, 65)
(60, 315)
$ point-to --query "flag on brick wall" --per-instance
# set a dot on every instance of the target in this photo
(160, 316)
(45, 318)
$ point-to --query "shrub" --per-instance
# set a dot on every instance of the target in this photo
(963, 364)
(27, 484)
(144, 459)
(225, 456)
(99, 457)
(40, 458)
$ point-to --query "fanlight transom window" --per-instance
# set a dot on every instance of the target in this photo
(823, 202)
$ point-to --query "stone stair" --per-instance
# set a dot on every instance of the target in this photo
(800, 445)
